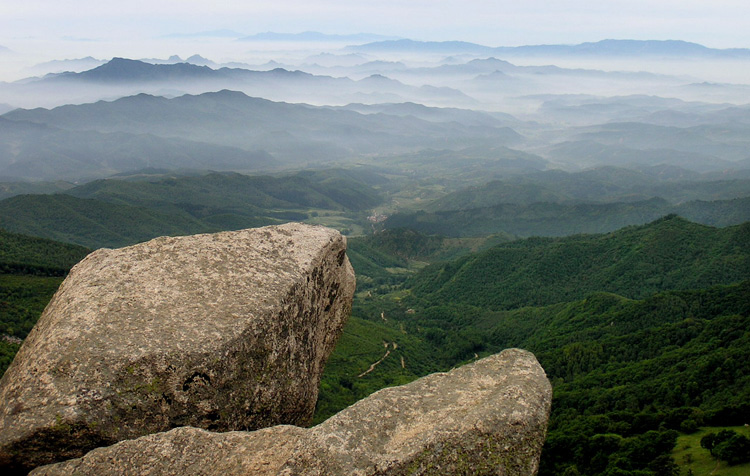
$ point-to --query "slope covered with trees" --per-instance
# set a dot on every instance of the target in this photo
(118, 212)
(643, 333)
(31, 269)
(627, 374)
(670, 253)
(562, 219)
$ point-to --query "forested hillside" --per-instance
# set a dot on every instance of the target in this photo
(635, 262)
(31, 269)
(643, 333)
(119, 212)
(628, 373)
(588, 202)
(22, 254)
(598, 185)
(562, 219)
(87, 222)
(389, 257)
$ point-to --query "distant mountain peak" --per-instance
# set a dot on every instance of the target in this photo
(490, 61)
(124, 70)
(627, 47)
(197, 57)
(225, 94)
(644, 46)
(606, 47)
(378, 79)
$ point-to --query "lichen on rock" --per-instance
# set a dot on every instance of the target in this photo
(486, 418)
(225, 331)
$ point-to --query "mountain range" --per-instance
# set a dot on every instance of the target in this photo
(32, 151)
(621, 262)
(247, 134)
(123, 77)
(463, 75)
(465, 183)
(119, 212)
(610, 47)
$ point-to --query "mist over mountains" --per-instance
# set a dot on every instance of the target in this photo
(661, 49)
(355, 105)
(445, 74)
(273, 134)
(590, 202)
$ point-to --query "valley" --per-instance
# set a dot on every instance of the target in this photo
(564, 199)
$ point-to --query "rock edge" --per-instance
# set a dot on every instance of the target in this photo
(486, 418)
(223, 331)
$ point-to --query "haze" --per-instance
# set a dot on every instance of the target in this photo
(43, 30)
(568, 177)
(526, 76)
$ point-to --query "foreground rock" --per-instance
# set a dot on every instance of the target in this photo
(487, 418)
(225, 331)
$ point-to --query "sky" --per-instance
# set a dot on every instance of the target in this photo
(49, 29)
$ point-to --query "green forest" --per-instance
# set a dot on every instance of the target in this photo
(31, 270)
(644, 332)
(589, 203)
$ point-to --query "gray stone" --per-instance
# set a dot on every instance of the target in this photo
(226, 331)
(486, 418)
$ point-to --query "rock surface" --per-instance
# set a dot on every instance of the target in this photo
(486, 418)
(226, 331)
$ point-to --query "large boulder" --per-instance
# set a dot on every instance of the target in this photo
(486, 418)
(226, 331)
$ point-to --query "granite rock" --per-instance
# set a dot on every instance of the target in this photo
(226, 331)
(485, 418)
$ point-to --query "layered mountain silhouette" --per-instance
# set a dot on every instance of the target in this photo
(610, 47)
(150, 131)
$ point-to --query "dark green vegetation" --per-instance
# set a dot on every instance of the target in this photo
(20, 254)
(22, 300)
(728, 445)
(387, 258)
(121, 212)
(8, 350)
(143, 204)
(526, 202)
(643, 332)
(88, 222)
(31, 269)
(395, 356)
(11, 189)
(635, 262)
(562, 219)
(598, 185)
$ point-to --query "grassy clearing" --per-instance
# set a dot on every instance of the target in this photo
(691, 457)
(394, 357)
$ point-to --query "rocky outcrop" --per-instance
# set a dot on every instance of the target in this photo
(226, 331)
(486, 418)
